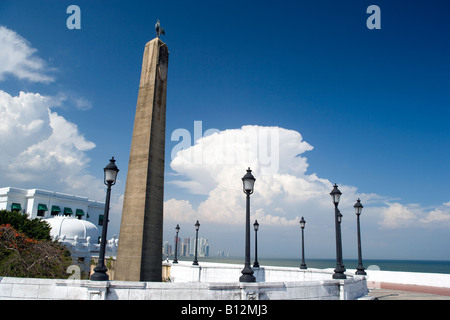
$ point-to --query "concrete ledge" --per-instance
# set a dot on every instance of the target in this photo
(209, 281)
(218, 282)
(222, 272)
(47, 289)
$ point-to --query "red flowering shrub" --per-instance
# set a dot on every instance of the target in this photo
(21, 256)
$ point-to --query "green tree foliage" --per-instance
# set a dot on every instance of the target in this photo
(34, 228)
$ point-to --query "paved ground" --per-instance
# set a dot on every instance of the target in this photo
(387, 294)
(389, 291)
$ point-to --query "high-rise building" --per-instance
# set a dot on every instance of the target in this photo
(203, 247)
(167, 249)
(186, 248)
(192, 246)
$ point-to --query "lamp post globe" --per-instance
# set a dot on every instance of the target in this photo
(110, 172)
(302, 223)
(335, 195)
(248, 182)
(358, 207)
(110, 176)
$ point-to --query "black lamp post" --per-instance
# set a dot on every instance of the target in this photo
(256, 227)
(197, 226)
(340, 237)
(177, 228)
(358, 209)
(110, 175)
(339, 271)
(302, 225)
(247, 273)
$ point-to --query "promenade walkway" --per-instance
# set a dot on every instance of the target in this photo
(391, 291)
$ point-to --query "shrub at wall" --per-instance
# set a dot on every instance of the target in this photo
(24, 256)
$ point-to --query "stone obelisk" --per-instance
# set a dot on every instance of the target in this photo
(139, 254)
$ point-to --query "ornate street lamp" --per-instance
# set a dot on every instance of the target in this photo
(248, 183)
(340, 216)
(358, 209)
(197, 226)
(256, 227)
(339, 271)
(110, 175)
(302, 225)
(177, 228)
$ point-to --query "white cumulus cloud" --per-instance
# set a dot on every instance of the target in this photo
(43, 149)
(39, 147)
(284, 189)
(283, 193)
(19, 59)
(397, 215)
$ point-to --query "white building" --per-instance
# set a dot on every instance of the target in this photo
(47, 204)
(75, 221)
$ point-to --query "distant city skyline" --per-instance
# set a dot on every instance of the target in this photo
(186, 247)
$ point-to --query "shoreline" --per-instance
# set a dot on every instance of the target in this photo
(420, 266)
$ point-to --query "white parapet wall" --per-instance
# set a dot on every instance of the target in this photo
(209, 281)
(49, 289)
(184, 271)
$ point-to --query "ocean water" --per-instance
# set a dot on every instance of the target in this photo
(428, 266)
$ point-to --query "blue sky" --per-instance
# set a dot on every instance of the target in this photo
(373, 104)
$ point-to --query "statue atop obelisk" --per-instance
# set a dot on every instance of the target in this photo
(139, 255)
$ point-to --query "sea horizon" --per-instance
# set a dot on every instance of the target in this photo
(406, 265)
